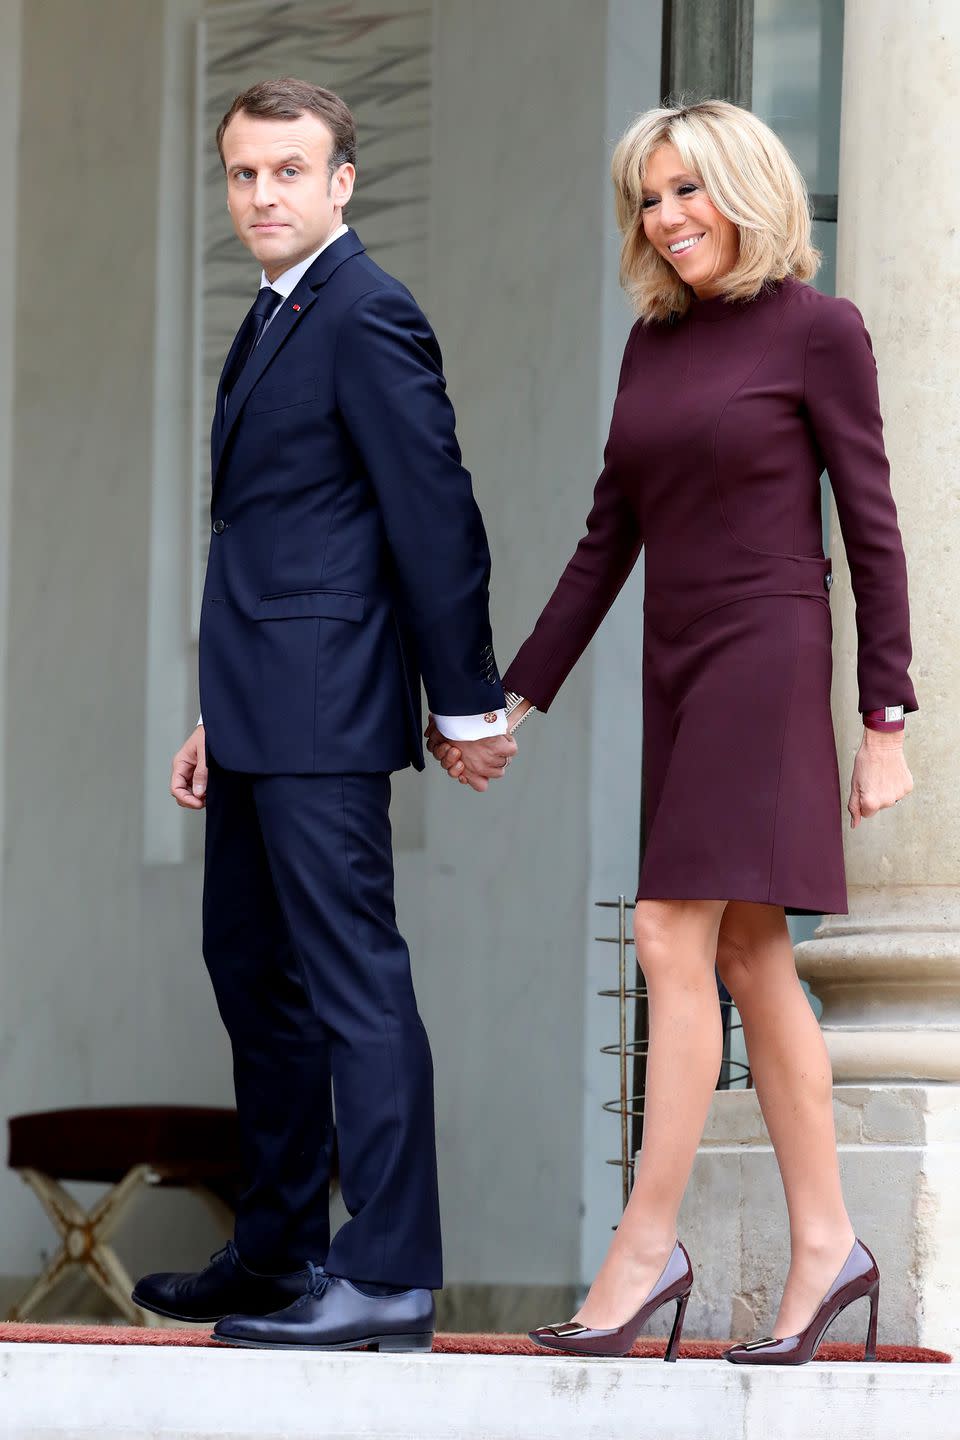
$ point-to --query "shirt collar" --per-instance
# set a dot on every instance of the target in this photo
(286, 283)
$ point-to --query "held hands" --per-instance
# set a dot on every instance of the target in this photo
(472, 762)
(880, 775)
(188, 783)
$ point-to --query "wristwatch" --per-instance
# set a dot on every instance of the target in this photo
(889, 718)
(512, 701)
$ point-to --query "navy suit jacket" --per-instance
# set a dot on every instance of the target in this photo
(347, 556)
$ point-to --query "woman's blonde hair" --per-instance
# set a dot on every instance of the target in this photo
(748, 174)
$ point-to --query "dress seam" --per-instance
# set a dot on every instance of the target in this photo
(744, 599)
(716, 432)
(806, 350)
(783, 743)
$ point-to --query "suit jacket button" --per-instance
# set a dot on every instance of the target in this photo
(491, 717)
(218, 527)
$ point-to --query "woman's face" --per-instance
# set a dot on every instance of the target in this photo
(684, 226)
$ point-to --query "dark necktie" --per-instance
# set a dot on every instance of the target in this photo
(249, 334)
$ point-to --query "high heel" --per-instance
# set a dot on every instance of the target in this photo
(675, 1283)
(673, 1344)
(859, 1278)
(870, 1348)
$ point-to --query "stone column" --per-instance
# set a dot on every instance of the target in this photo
(888, 973)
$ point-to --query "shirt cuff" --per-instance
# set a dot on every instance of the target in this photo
(472, 727)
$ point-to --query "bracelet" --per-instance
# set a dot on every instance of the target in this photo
(888, 718)
(512, 701)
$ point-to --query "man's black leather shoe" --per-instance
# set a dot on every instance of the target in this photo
(225, 1287)
(335, 1315)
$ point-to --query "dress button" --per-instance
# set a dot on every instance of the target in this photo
(828, 579)
(218, 527)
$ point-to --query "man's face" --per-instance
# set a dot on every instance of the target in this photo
(282, 199)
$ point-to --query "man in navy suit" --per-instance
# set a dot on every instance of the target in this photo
(347, 560)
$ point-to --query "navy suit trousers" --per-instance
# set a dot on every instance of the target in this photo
(312, 979)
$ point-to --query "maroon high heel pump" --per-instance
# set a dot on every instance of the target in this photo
(859, 1277)
(675, 1283)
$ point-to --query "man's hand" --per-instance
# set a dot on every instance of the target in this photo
(880, 775)
(188, 783)
(472, 762)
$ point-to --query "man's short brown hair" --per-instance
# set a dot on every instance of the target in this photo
(288, 99)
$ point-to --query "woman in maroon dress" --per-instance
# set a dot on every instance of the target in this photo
(740, 384)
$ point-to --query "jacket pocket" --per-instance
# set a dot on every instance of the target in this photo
(324, 604)
(280, 397)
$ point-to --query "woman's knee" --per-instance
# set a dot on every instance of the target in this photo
(734, 955)
(672, 936)
(750, 942)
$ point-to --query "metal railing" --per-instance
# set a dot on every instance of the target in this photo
(632, 1043)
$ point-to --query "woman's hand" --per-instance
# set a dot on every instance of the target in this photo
(517, 714)
(472, 762)
(880, 775)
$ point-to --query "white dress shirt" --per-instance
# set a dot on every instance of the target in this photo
(454, 727)
(286, 283)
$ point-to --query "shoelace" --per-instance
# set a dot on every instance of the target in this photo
(228, 1249)
(319, 1279)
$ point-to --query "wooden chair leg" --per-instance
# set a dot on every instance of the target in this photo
(41, 1287)
(108, 1272)
(63, 1210)
(111, 1208)
(84, 1235)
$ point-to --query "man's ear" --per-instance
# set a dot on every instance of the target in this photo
(343, 182)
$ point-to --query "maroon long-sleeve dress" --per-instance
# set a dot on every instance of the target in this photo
(723, 422)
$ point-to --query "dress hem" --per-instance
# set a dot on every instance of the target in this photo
(789, 909)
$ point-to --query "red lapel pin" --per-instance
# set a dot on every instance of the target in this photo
(296, 307)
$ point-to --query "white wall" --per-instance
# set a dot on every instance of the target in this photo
(524, 296)
(104, 998)
(171, 836)
(616, 734)
(10, 25)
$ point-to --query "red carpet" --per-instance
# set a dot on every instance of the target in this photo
(452, 1344)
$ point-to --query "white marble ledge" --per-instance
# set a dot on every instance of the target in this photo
(74, 1392)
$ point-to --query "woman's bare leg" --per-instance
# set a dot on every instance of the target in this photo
(792, 1074)
(676, 947)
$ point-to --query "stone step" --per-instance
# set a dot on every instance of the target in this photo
(118, 1392)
